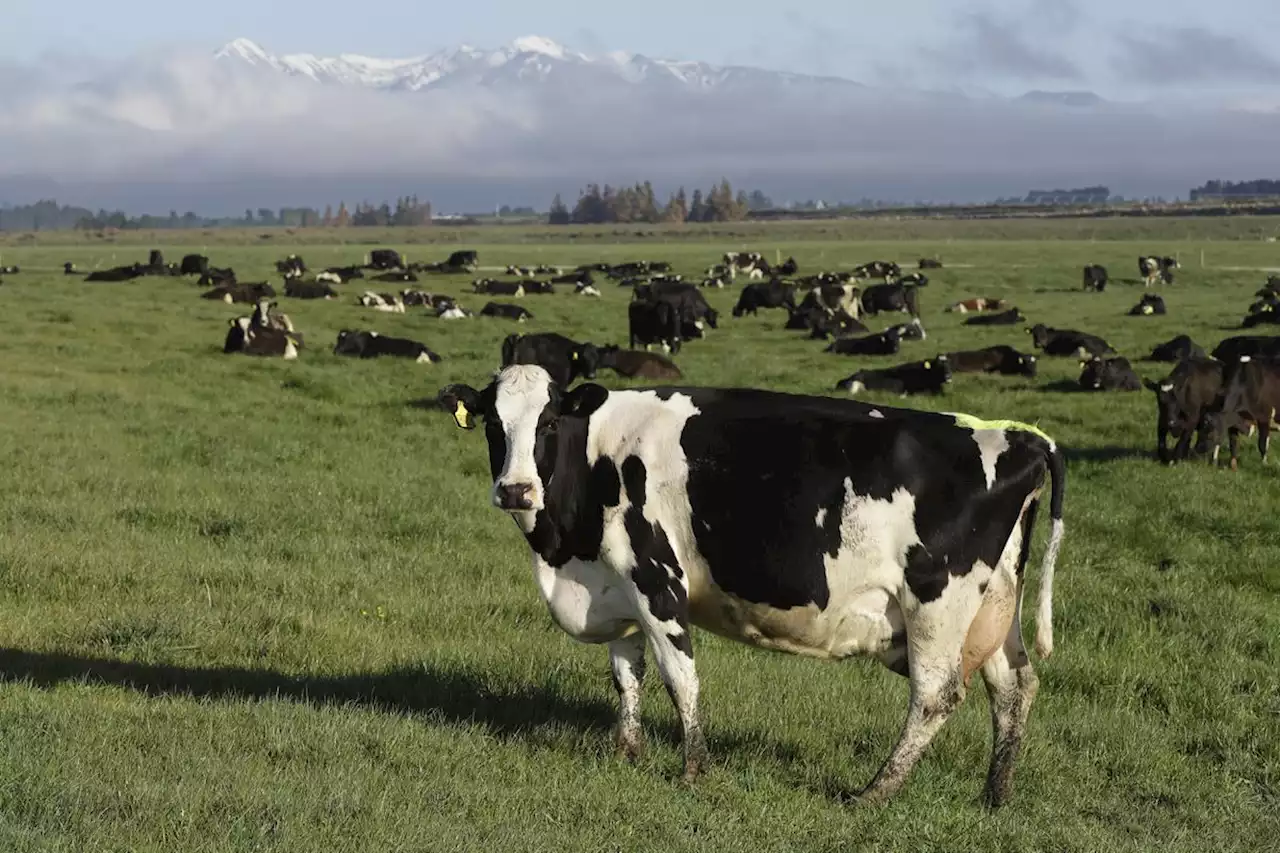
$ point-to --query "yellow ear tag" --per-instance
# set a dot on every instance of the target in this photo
(462, 416)
(928, 365)
(574, 357)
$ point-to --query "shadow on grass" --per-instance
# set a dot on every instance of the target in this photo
(1062, 386)
(1106, 454)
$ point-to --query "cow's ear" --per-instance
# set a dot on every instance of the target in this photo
(509, 349)
(582, 401)
(461, 401)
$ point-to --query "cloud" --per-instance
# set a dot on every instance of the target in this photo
(1176, 56)
(985, 43)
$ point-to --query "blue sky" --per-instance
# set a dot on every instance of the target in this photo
(1123, 48)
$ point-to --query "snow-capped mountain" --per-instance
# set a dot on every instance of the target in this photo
(526, 60)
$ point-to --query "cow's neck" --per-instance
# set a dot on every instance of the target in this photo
(570, 508)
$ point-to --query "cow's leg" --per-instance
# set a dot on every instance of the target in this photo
(626, 660)
(1264, 437)
(1233, 441)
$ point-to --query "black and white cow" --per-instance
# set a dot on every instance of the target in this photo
(1250, 398)
(69, 268)
(1109, 374)
(1001, 359)
(385, 259)
(292, 267)
(890, 297)
(915, 377)
(1064, 342)
(268, 343)
(1266, 315)
(1182, 401)
(585, 288)
(654, 322)
(463, 259)
(343, 274)
(1095, 278)
(564, 359)
(246, 293)
(117, 273)
(493, 287)
(1153, 269)
(1232, 350)
(913, 331)
(1151, 305)
(1177, 349)
(194, 265)
(696, 314)
(390, 303)
(296, 289)
(1012, 317)
(401, 276)
(810, 525)
(10, 270)
(361, 344)
(887, 270)
(266, 317)
(977, 303)
(887, 342)
(505, 312)
(773, 294)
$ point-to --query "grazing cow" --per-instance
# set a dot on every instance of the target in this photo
(1250, 397)
(493, 287)
(775, 294)
(887, 342)
(1153, 269)
(362, 344)
(977, 303)
(1001, 359)
(344, 274)
(69, 268)
(692, 308)
(117, 273)
(564, 359)
(505, 312)
(389, 302)
(913, 331)
(915, 377)
(1182, 401)
(1012, 317)
(292, 267)
(1095, 278)
(1177, 349)
(638, 365)
(805, 524)
(1068, 342)
(385, 259)
(247, 294)
(1232, 350)
(403, 276)
(890, 297)
(1109, 374)
(194, 265)
(930, 264)
(1152, 304)
(308, 289)
(656, 322)
(1267, 315)
(585, 288)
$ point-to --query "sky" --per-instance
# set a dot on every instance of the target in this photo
(1126, 49)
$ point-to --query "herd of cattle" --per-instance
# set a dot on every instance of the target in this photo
(1213, 397)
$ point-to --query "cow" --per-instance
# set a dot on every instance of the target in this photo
(1265, 316)
(547, 269)
(242, 338)
(1151, 305)
(362, 344)
(564, 359)
(585, 288)
(520, 272)
(1182, 401)
(917, 279)
(977, 303)
(887, 342)
(913, 331)
(194, 265)
(1177, 349)
(266, 317)
(775, 294)
(390, 303)
(451, 311)
(493, 287)
(890, 297)
(787, 268)
(576, 277)
(930, 264)
(215, 276)
(718, 283)
(385, 259)
(1108, 374)
(344, 274)
(810, 525)
(248, 293)
(1068, 342)
(1095, 278)
(69, 268)
(411, 297)
(1153, 269)
(742, 262)
(292, 267)
(505, 312)
(1269, 302)
(297, 289)
(539, 288)
(463, 259)
(403, 276)
(834, 297)
(823, 324)
(1232, 350)
(1250, 396)
(887, 270)
(10, 270)
(1001, 359)
(1012, 317)
(656, 322)
(638, 365)
(692, 308)
(1271, 288)
(117, 273)
(915, 377)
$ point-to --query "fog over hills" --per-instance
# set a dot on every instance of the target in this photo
(469, 128)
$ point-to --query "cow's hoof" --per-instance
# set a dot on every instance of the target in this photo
(630, 750)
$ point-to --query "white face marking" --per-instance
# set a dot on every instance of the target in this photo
(876, 413)
(821, 517)
(424, 358)
(856, 388)
(1168, 386)
(991, 443)
(523, 392)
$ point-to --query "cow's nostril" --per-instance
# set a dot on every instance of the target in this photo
(514, 495)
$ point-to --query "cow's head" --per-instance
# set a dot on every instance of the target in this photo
(1027, 365)
(1039, 335)
(523, 413)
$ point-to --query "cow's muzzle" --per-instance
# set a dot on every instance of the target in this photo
(514, 497)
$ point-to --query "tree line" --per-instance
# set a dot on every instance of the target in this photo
(48, 215)
(1227, 189)
(598, 204)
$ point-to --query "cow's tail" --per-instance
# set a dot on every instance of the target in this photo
(1044, 615)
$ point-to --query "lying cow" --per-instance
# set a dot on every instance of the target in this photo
(816, 526)
(292, 267)
(977, 303)
(1177, 349)
(1012, 317)
(1109, 374)
(887, 342)
(385, 259)
(638, 365)
(564, 359)
(1001, 359)
(297, 289)
(266, 317)
(247, 293)
(1250, 397)
(1232, 350)
(1151, 305)
(269, 343)
(1182, 402)
(493, 287)
(1267, 315)
(1095, 278)
(505, 312)
(1153, 269)
(117, 273)
(361, 344)
(930, 264)
(913, 331)
(916, 377)
(1068, 342)
(343, 274)
(10, 270)
(585, 288)
(391, 303)
(401, 276)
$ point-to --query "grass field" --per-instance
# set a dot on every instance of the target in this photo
(258, 605)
